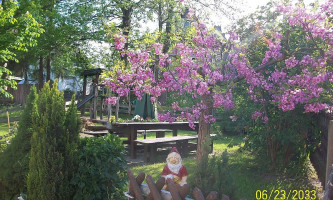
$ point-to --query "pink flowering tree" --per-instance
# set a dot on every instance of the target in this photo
(207, 68)
(287, 71)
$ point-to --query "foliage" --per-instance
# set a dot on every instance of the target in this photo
(73, 128)
(14, 161)
(101, 173)
(287, 139)
(212, 174)
(18, 31)
(52, 146)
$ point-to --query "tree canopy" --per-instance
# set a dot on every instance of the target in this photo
(18, 31)
(286, 73)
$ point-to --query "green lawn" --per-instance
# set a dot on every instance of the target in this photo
(3, 129)
(246, 169)
(11, 114)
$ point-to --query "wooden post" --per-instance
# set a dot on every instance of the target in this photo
(134, 186)
(109, 105)
(117, 109)
(329, 160)
(95, 102)
(174, 132)
(129, 103)
(8, 121)
(153, 189)
(132, 143)
(84, 94)
(329, 186)
(101, 110)
(155, 110)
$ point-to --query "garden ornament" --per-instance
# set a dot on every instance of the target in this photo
(174, 169)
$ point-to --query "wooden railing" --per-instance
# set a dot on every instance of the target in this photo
(154, 191)
(329, 187)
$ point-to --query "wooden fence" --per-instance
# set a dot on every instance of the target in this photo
(329, 187)
(20, 94)
(153, 191)
(319, 156)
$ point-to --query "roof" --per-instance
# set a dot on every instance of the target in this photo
(15, 78)
(92, 72)
(30, 82)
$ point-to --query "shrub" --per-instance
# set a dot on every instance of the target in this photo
(212, 174)
(73, 127)
(286, 139)
(101, 173)
(14, 161)
(53, 146)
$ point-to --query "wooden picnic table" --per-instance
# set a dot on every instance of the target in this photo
(131, 128)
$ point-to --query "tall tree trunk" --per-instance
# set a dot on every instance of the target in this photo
(25, 71)
(160, 20)
(41, 70)
(48, 68)
(168, 28)
(204, 128)
(166, 44)
(160, 25)
(126, 26)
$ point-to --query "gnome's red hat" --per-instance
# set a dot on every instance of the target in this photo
(174, 149)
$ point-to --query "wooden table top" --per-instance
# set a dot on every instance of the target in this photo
(153, 125)
(150, 123)
(167, 139)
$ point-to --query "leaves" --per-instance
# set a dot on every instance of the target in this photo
(101, 169)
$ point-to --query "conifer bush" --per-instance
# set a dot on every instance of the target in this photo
(14, 161)
(53, 146)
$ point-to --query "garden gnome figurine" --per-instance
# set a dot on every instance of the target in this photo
(174, 169)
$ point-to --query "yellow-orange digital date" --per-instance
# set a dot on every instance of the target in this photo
(286, 194)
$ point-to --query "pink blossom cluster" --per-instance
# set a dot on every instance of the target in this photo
(294, 80)
(224, 100)
(120, 41)
(158, 48)
(315, 107)
(291, 62)
(111, 100)
(138, 58)
(190, 13)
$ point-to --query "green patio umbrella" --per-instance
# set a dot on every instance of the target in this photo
(144, 108)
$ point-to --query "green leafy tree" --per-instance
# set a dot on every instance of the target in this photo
(14, 161)
(18, 31)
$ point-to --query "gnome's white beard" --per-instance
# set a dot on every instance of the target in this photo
(175, 167)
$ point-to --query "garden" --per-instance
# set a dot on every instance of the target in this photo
(251, 95)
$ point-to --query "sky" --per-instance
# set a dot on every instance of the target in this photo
(248, 6)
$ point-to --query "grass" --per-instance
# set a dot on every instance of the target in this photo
(11, 114)
(247, 169)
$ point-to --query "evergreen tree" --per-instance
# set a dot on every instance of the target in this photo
(47, 178)
(14, 161)
(73, 126)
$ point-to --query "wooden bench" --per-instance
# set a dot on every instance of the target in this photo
(150, 145)
(159, 132)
